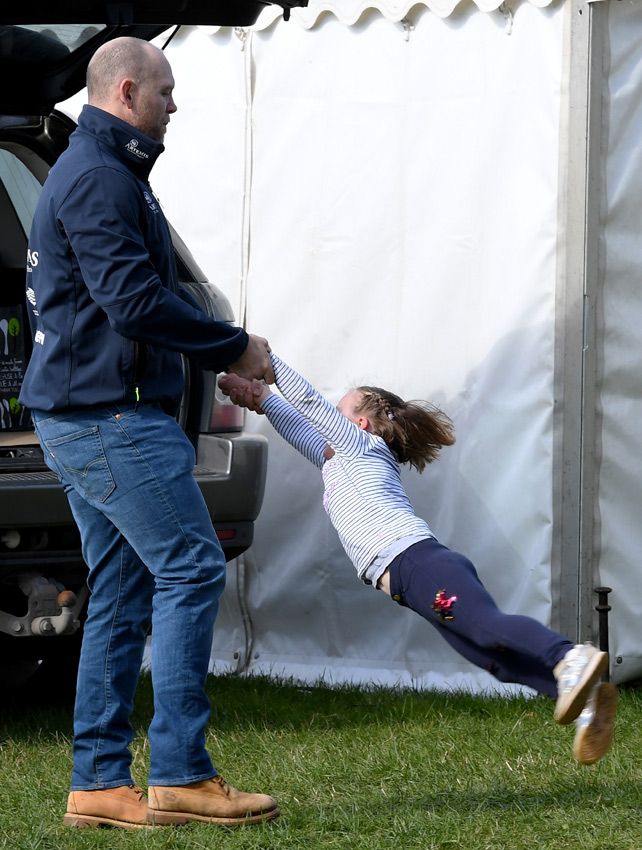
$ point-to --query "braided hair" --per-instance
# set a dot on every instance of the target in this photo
(415, 431)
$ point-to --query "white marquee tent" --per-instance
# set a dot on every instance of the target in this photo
(444, 199)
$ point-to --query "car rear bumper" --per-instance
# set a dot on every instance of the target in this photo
(230, 471)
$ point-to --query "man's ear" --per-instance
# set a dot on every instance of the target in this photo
(125, 92)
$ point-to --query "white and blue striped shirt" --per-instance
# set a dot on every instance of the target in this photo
(364, 496)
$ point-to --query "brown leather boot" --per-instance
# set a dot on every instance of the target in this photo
(212, 801)
(125, 806)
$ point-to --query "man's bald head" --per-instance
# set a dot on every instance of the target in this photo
(132, 80)
(122, 58)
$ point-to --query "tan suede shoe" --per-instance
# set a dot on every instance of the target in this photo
(595, 725)
(212, 800)
(125, 806)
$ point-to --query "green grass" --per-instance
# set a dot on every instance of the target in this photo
(355, 769)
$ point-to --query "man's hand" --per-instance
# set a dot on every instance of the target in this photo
(255, 361)
(248, 394)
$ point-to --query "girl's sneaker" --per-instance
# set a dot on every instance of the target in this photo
(580, 669)
(595, 725)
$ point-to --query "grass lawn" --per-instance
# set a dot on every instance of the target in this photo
(355, 769)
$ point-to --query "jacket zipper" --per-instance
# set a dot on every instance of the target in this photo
(139, 367)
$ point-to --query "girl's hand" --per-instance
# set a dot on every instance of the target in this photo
(244, 393)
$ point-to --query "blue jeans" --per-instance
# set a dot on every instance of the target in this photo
(154, 559)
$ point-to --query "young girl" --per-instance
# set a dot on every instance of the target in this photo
(359, 446)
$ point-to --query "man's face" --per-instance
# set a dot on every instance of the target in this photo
(153, 98)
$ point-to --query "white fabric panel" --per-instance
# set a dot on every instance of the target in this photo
(200, 178)
(403, 232)
(619, 503)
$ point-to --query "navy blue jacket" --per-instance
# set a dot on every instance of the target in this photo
(107, 315)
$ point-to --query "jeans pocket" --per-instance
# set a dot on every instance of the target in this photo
(396, 590)
(81, 461)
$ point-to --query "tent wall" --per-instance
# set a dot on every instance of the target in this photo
(382, 201)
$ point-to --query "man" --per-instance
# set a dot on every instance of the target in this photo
(103, 384)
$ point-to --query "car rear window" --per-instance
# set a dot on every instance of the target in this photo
(71, 36)
(40, 47)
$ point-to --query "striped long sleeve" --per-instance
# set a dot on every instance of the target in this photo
(364, 496)
(288, 422)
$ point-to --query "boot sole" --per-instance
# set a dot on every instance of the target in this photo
(569, 706)
(162, 818)
(594, 740)
(95, 822)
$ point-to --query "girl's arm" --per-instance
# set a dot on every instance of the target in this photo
(289, 423)
(340, 433)
(285, 420)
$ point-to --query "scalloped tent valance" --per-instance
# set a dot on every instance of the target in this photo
(350, 11)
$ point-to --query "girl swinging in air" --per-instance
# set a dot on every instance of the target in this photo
(359, 447)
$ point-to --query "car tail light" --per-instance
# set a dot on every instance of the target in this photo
(225, 416)
(226, 534)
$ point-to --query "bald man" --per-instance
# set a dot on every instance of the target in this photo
(109, 324)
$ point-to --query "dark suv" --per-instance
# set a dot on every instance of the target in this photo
(42, 573)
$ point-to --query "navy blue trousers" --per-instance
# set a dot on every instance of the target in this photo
(511, 647)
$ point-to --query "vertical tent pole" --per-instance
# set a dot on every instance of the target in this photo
(578, 286)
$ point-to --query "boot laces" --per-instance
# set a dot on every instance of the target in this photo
(225, 788)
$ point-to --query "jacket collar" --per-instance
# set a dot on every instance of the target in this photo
(139, 151)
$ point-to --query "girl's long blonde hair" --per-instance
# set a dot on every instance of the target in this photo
(415, 431)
